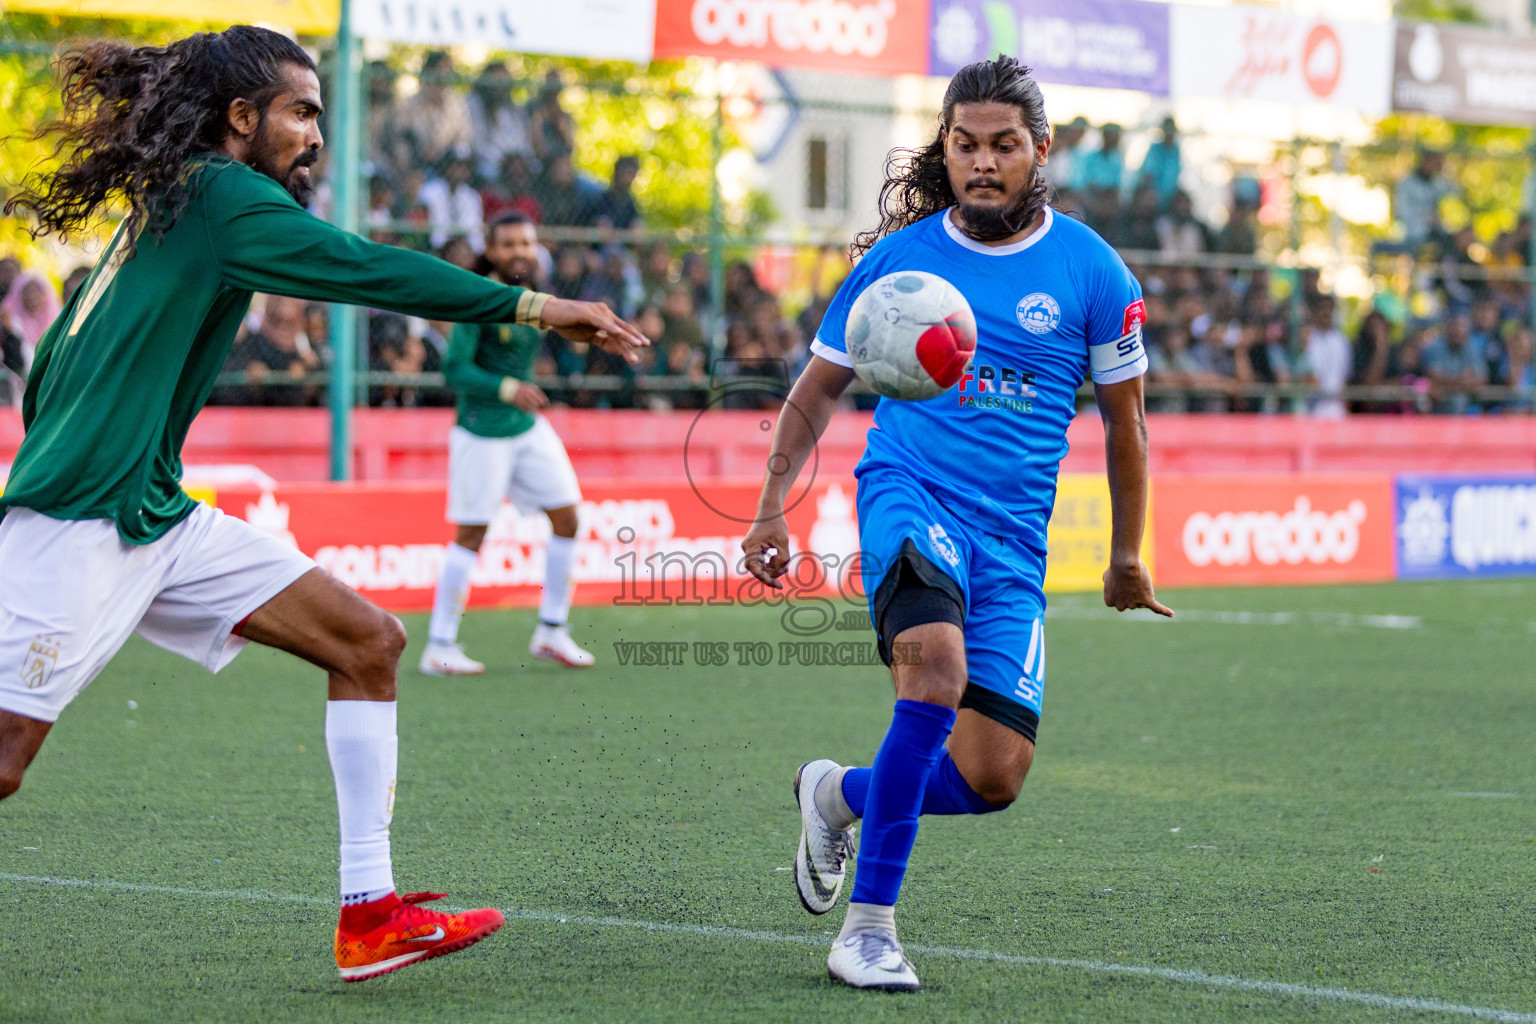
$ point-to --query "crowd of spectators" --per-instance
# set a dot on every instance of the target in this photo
(460, 149)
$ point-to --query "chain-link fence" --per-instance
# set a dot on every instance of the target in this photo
(713, 204)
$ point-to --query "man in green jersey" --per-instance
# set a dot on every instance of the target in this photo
(502, 448)
(208, 143)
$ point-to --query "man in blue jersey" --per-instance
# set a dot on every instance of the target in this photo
(955, 494)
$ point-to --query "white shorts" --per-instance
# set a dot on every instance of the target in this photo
(71, 591)
(532, 469)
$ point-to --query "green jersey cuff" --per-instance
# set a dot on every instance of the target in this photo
(530, 308)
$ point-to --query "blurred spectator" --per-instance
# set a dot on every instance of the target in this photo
(1179, 232)
(499, 126)
(1099, 176)
(10, 270)
(459, 252)
(453, 205)
(435, 121)
(1138, 228)
(742, 292)
(616, 208)
(1062, 164)
(1371, 358)
(277, 346)
(1517, 370)
(1162, 165)
(382, 110)
(1486, 341)
(617, 283)
(1259, 358)
(29, 309)
(1182, 360)
(550, 127)
(1328, 358)
(75, 279)
(656, 279)
(13, 368)
(513, 190)
(1453, 366)
(1416, 201)
(560, 195)
(1240, 235)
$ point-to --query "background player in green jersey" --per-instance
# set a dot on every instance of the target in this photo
(208, 144)
(501, 447)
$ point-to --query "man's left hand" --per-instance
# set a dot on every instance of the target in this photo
(1128, 586)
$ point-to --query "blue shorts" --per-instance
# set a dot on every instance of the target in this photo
(997, 580)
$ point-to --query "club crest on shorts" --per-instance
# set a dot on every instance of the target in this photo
(38, 664)
(942, 546)
(1038, 313)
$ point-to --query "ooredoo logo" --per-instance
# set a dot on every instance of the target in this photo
(816, 26)
(1302, 534)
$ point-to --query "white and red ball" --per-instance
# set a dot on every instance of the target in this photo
(910, 335)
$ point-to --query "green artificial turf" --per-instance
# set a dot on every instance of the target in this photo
(1207, 796)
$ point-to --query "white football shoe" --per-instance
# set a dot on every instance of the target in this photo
(821, 859)
(448, 660)
(554, 643)
(872, 958)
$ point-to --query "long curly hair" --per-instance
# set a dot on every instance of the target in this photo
(133, 117)
(917, 180)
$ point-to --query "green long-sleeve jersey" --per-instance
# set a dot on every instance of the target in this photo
(479, 357)
(118, 378)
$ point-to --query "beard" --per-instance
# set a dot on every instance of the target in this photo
(993, 223)
(264, 158)
(517, 271)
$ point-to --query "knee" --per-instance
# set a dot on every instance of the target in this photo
(934, 677)
(10, 780)
(377, 656)
(1000, 790)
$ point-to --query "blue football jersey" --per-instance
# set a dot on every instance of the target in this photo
(1049, 310)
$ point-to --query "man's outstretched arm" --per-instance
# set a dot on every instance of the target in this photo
(1127, 583)
(265, 242)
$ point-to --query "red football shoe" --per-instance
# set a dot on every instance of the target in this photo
(394, 932)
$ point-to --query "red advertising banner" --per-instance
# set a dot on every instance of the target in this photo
(640, 543)
(1215, 531)
(872, 37)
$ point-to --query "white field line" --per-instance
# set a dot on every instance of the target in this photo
(1243, 618)
(1200, 978)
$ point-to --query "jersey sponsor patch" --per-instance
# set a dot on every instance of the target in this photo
(1135, 316)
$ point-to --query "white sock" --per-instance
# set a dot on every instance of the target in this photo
(864, 916)
(831, 802)
(452, 594)
(365, 753)
(559, 564)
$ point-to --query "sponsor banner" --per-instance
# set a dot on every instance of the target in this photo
(1449, 526)
(309, 17)
(1264, 53)
(600, 29)
(872, 37)
(1465, 74)
(1214, 531)
(1078, 544)
(640, 543)
(1112, 44)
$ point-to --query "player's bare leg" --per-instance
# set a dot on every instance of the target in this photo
(359, 645)
(551, 638)
(20, 739)
(443, 655)
(992, 758)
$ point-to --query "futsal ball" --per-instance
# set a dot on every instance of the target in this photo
(910, 335)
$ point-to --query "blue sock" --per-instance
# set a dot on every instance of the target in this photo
(912, 748)
(947, 791)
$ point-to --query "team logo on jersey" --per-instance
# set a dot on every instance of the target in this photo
(1038, 313)
(942, 545)
(38, 664)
